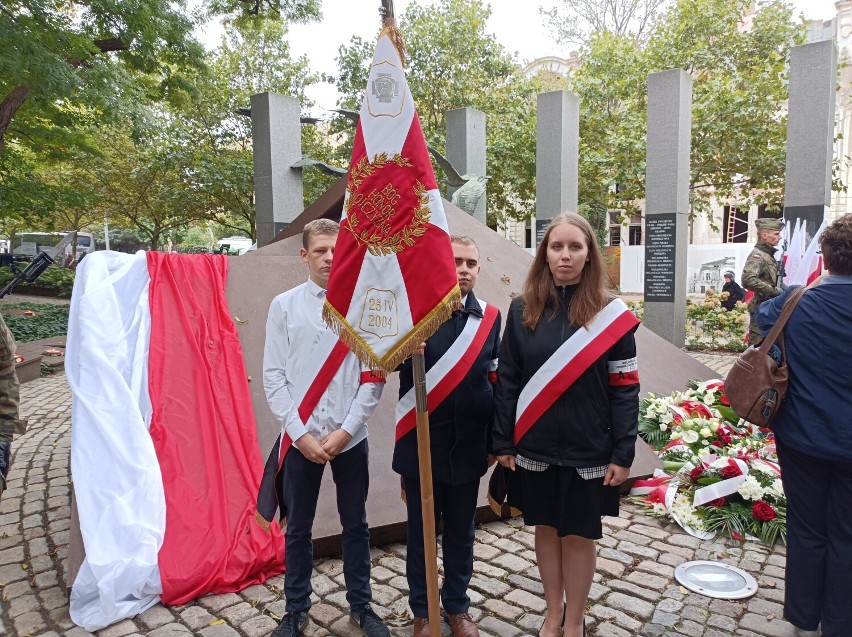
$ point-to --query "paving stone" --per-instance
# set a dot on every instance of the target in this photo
(527, 600)
(630, 605)
(628, 588)
(724, 623)
(258, 626)
(22, 605)
(120, 629)
(155, 617)
(690, 628)
(759, 624)
(11, 591)
(219, 630)
(196, 617)
(665, 619)
(12, 556)
(608, 567)
(499, 627)
(616, 556)
(11, 573)
(28, 625)
(325, 614)
(502, 610)
(511, 562)
(215, 603)
(669, 605)
(526, 583)
(606, 629)
(647, 580)
(237, 614)
(604, 613)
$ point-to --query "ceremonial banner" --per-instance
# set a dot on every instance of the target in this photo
(164, 452)
(394, 281)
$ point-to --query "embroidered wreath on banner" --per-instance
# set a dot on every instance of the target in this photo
(379, 242)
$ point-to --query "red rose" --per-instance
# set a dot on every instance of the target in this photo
(763, 511)
(724, 400)
(731, 471)
(726, 439)
(696, 473)
(717, 503)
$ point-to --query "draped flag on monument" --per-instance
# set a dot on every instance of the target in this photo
(164, 453)
(393, 282)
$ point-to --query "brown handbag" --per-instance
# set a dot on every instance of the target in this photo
(756, 385)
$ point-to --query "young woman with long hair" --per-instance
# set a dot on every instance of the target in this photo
(566, 412)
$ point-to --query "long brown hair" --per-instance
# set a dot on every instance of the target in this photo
(539, 290)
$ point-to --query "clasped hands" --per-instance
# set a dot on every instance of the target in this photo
(325, 450)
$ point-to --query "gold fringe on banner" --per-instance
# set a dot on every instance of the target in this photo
(395, 35)
(421, 332)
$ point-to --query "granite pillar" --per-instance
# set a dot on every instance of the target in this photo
(466, 147)
(667, 203)
(810, 132)
(556, 157)
(276, 145)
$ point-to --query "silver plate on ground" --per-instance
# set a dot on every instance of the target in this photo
(716, 579)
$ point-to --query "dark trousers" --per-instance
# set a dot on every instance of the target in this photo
(819, 542)
(302, 480)
(456, 507)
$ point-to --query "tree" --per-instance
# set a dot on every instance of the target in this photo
(453, 62)
(214, 140)
(61, 61)
(739, 92)
(575, 21)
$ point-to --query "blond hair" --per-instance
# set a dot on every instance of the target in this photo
(318, 227)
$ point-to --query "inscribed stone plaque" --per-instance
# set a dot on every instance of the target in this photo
(540, 229)
(660, 257)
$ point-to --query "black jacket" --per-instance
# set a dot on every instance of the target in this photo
(736, 293)
(592, 423)
(460, 426)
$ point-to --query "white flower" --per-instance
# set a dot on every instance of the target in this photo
(709, 399)
(719, 463)
(659, 508)
(676, 434)
(714, 426)
(776, 489)
(667, 418)
(750, 489)
(705, 454)
(705, 432)
(690, 437)
(663, 426)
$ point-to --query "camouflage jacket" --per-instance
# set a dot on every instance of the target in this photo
(9, 394)
(760, 275)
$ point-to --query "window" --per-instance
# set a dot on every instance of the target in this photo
(635, 236)
(615, 236)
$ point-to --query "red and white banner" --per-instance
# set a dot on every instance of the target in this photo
(569, 362)
(394, 281)
(445, 375)
(164, 452)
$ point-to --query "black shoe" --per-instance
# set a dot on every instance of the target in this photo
(370, 623)
(291, 625)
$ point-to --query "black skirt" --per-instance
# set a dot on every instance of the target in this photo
(560, 498)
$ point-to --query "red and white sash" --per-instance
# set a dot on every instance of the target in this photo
(569, 362)
(449, 370)
(310, 384)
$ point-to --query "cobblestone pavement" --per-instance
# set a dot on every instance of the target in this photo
(634, 592)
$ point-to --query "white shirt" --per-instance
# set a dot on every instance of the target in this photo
(294, 327)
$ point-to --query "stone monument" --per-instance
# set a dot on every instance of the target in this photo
(667, 203)
(810, 133)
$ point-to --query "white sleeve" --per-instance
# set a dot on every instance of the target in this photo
(275, 381)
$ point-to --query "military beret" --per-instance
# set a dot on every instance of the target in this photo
(769, 224)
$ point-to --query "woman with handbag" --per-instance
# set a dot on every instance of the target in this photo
(566, 412)
(813, 431)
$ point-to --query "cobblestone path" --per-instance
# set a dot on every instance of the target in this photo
(634, 592)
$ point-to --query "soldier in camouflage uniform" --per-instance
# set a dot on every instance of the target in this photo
(760, 274)
(9, 423)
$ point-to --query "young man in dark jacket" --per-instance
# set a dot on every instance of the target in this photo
(461, 367)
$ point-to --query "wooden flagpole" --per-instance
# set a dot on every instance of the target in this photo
(427, 498)
(424, 452)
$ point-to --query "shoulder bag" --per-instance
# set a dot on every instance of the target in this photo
(756, 384)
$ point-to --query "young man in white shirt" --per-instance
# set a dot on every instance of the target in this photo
(334, 433)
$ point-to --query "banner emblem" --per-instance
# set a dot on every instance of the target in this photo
(377, 208)
(380, 316)
(385, 98)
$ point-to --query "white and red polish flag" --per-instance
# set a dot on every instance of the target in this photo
(164, 453)
(394, 281)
